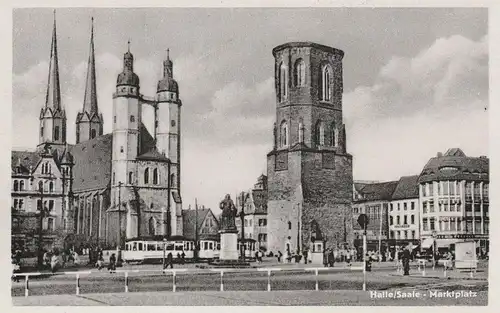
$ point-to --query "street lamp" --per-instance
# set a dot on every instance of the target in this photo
(242, 217)
(119, 228)
(164, 248)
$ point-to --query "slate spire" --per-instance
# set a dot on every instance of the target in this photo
(53, 98)
(90, 99)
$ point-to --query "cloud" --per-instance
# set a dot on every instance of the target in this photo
(419, 106)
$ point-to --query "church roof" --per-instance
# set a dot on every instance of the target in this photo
(90, 98)
(92, 169)
(189, 219)
(407, 188)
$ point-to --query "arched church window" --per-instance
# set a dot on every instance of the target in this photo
(16, 186)
(114, 119)
(92, 134)
(40, 186)
(326, 86)
(56, 133)
(51, 187)
(130, 177)
(320, 134)
(283, 134)
(289, 225)
(283, 81)
(146, 176)
(152, 226)
(155, 176)
(333, 135)
(300, 73)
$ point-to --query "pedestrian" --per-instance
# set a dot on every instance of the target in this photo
(331, 259)
(100, 262)
(406, 262)
(178, 257)
(279, 255)
(183, 257)
(170, 261)
(304, 253)
(112, 263)
(54, 263)
(325, 258)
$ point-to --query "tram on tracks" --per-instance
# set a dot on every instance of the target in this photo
(151, 250)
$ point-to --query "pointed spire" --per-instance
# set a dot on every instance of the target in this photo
(53, 98)
(168, 66)
(90, 99)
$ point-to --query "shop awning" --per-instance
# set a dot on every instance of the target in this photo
(427, 243)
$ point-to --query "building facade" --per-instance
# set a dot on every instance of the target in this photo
(309, 170)
(372, 199)
(255, 217)
(207, 224)
(106, 188)
(454, 199)
(404, 217)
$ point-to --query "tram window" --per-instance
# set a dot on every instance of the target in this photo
(218, 246)
(192, 245)
(205, 245)
(151, 247)
(159, 247)
(178, 247)
(140, 246)
(211, 245)
(170, 246)
(135, 246)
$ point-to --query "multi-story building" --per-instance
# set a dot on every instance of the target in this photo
(454, 199)
(255, 217)
(207, 224)
(107, 187)
(404, 211)
(309, 169)
(372, 200)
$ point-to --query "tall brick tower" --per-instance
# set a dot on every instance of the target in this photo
(309, 170)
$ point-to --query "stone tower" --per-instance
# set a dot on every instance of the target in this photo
(52, 115)
(126, 123)
(89, 122)
(309, 170)
(167, 133)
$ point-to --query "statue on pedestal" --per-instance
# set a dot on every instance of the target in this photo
(228, 214)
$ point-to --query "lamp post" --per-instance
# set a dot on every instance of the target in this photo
(242, 217)
(164, 247)
(119, 238)
(434, 249)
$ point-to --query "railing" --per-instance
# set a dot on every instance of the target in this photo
(174, 272)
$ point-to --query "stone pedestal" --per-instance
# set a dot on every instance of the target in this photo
(228, 245)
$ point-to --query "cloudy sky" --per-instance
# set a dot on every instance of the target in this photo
(415, 81)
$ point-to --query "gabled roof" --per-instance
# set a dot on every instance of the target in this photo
(92, 169)
(406, 188)
(260, 200)
(23, 160)
(189, 219)
(455, 165)
(378, 191)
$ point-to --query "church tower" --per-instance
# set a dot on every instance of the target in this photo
(126, 123)
(52, 115)
(309, 169)
(89, 122)
(167, 133)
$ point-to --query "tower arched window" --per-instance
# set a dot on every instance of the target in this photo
(289, 225)
(152, 226)
(155, 176)
(130, 177)
(132, 118)
(283, 82)
(146, 176)
(301, 130)
(92, 133)
(41, 131)
(21, 185)
(319, 134)
(172, 180)
(16, 185)
(283, 134)
(334, 140)
(56, 133)
(299, 73)
(326, 86)
(51, 187)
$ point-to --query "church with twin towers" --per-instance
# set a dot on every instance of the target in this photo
(105, 188)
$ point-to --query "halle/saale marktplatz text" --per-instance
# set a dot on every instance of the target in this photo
(399, 294)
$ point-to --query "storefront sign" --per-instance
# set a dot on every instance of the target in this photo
(463, 236)
(402, 226)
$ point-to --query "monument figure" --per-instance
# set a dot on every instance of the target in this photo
(228, 218)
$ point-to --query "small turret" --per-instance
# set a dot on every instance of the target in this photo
(168, 82)
(128, 77)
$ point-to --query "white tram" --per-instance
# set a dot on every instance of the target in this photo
(152, 250)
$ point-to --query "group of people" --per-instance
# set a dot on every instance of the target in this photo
(169, 262)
